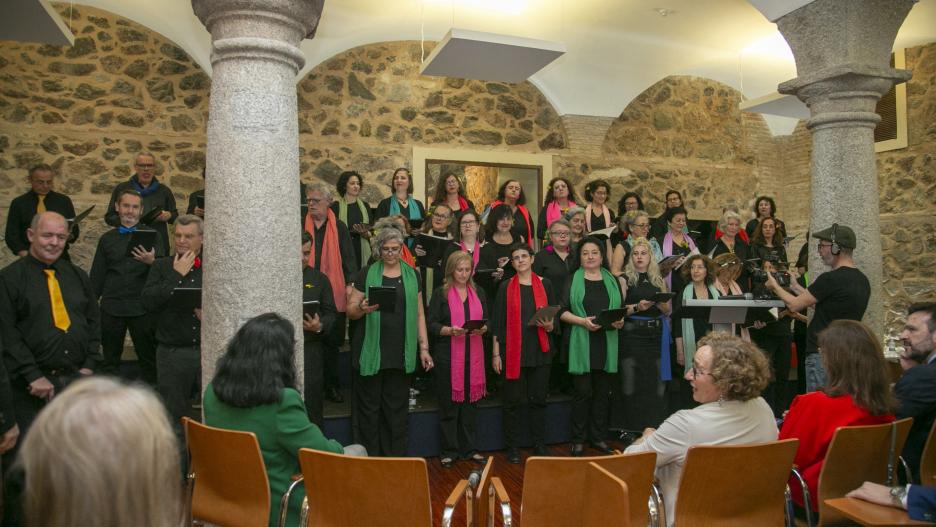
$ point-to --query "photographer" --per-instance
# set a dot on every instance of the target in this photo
(841, 293)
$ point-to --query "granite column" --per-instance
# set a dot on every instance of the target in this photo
(252, 233)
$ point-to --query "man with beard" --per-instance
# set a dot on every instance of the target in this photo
(154, 193)
(916, 390)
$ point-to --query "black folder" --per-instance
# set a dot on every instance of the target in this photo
(434, 247)
(608, 316)
(144, 237)
(187, 297)
(311, 308)
(383, 296)
(151, 216)
(543, 313)
(472, 325)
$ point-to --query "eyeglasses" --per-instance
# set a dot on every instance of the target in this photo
(698, 372)
(641, 225)
(316, 201)
(519, 257)
(391, 250)
(468, 223)
(820, 245)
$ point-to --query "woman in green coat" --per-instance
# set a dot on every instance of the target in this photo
(254, 390)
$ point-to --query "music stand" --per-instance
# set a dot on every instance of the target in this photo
(723, 314)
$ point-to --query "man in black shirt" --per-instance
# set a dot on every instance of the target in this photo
(328, 234)
(839, 294)
(154, 193)
(49, 320)
(315, 288)
(118, 281)
(40, 198)
(178, 321)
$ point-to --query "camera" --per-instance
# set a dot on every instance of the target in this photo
(759, 276)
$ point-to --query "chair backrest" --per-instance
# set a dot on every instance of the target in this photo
(928, 460)
(347, 491)
(741, 485)
(548, 484)
(606, 500)
(483, 513)
(857, 454)
(229, 477)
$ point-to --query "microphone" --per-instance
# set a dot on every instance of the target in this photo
(474, 478)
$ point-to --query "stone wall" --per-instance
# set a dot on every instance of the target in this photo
(87, 109)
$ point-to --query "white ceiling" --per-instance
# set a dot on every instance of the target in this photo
(616, 48)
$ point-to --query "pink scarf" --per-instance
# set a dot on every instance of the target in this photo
(475, 253)
(588, 217)
(553, 212)
(476, 348)
(668, 251)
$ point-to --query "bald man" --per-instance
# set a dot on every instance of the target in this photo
(49, 320)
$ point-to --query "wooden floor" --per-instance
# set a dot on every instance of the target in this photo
(442, 480)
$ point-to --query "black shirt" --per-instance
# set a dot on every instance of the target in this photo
(315, 286)
(176, 323)
(193, 201)
(392, 325)
(598, 221)
(595, 301)
(355, 217)
(439, 315)
(118, 279)
(842, 293)
(22, 210)
(642, 290)
(348, 261)
(550, 265)
(699, 325)
(162, 197)
(530, 352)
(33, 345)
(491, 252)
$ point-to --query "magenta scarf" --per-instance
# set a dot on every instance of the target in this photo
(668, 251)
(476, 360)
(475, 253)
(553, 212)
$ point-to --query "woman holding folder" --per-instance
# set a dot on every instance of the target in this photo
(523, 349)
(430, 246)
(385, 348)
(645, 341)
(457, 319)
(592, 311)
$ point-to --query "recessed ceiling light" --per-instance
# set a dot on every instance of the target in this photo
(663, 11)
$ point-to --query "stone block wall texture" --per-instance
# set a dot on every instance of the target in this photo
(88, 109)
(123, 88)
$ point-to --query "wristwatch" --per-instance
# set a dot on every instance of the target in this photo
(898, 495)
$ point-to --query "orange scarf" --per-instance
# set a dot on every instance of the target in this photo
(331, 257)
(407, 256)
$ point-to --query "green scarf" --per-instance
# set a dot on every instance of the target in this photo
(688, 328)
(365, 216)
(579, 337)
(370, 351)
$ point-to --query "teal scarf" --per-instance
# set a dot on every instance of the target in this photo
(370, 351)
(411, 206)
(579, 338)
(688, 328)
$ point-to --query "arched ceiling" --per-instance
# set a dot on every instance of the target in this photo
(616, 48)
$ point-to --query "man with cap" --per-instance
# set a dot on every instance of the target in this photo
(839, 294)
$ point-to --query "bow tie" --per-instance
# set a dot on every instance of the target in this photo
(197, 263)
(126, 230)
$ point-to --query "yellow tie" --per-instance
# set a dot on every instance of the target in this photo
(41, 206)
(59, 313)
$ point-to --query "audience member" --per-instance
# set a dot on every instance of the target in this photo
(727, 376)
(919, 501)
(916, 390)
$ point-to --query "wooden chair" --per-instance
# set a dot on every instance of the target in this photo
(928, 460)
(736, 485)
(606, 500)
(872, 514)
(227, 477)
(480, 500)
(550, 483)
(858, 454)
(346, 491)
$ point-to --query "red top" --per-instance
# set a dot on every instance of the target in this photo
(813, 419)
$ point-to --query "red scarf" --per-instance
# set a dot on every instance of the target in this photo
(741, 234)
(331, 257)
(475, 345)
(526, 217)
(407, 256)
(515, 325)
(462, 203)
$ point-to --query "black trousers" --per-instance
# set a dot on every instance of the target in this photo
(643, 392)
(590, 404)
(332, 345)
(526, 393)
(777, 350)
(381, 408)
(178, 372)
(142, 332)
(314, 381)
(457, 420)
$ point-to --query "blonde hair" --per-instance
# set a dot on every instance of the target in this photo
(103, 453)
(454, 260)
(653, 270)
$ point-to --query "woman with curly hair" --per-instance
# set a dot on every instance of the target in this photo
(560, 197)
(857, 393)
(764, 207)
(727, 377)
(511, 194)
